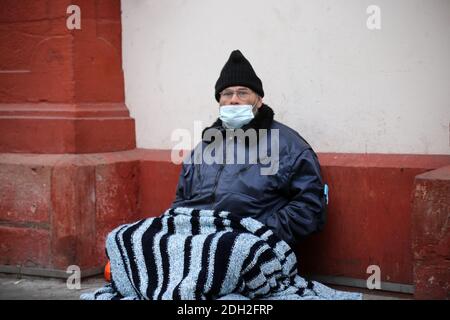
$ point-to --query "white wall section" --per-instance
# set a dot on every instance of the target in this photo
(343, 87)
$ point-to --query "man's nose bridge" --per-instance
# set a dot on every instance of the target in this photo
(234, 97)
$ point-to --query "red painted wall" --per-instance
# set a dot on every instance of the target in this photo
(369, 219)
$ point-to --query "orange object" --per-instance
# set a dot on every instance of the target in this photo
(107, 272)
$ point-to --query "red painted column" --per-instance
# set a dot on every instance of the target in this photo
(431, 234)
(69, 170)
(62, 90)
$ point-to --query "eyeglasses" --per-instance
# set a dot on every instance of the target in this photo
(241, 94)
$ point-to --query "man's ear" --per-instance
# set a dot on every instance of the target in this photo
(259, 102)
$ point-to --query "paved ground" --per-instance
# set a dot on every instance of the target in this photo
(34, 288)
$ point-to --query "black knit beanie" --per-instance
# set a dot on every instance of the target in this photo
(238, 72)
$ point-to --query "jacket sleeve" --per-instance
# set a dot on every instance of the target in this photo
(184, 180)
(181, 186)
(304, 214)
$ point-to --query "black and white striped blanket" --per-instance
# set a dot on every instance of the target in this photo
(203, 254)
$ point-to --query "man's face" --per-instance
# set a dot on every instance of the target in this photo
(238, 95)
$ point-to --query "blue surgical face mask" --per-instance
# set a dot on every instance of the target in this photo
(236, 116)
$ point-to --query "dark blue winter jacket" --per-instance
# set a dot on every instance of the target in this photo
(290, 201)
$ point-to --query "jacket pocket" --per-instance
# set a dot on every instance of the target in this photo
(251, 183)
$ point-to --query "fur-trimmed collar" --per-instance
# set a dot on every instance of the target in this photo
(262, 120)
